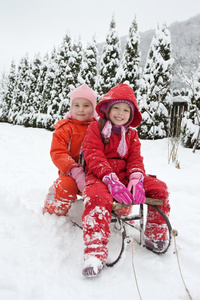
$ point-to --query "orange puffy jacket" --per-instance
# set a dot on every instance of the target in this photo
(66, 143)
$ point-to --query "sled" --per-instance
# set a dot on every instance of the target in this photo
(123, 221)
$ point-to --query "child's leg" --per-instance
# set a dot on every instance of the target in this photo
(156, 228)
(61, 196)
(96, 220)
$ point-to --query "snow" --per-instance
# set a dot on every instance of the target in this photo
(41, 256)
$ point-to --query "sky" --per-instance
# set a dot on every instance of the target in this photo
(36, 26)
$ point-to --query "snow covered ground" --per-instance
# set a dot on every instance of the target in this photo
(41, 255)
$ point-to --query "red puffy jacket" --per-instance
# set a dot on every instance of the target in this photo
(103, 159)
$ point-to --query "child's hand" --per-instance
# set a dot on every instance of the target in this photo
(136, 185)
(117, 189)
(78, 175)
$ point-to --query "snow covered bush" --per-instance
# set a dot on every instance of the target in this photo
(110, 61)
(155, 95)
(191, 121)
(130, 71)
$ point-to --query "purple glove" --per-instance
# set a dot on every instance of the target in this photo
(136, 185)
(78, 174)
(117, 189)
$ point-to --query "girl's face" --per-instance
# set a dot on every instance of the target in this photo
(120, 113)
(82, 109)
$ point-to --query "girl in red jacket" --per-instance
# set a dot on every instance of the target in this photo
(65, 151)
(115, 169)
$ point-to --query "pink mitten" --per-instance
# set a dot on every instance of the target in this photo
(136, 185)
(79, 176)
(117, 189)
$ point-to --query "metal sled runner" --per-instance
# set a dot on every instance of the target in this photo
(123, 221)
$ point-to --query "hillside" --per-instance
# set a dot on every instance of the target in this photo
(185, 38)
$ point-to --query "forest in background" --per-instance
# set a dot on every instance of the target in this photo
(36, 92)
(185, 41)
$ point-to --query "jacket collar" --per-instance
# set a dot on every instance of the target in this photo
(73, 121)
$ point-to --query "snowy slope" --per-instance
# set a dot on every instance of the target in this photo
(41, 256)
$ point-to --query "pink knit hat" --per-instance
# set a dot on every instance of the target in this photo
(83, 91)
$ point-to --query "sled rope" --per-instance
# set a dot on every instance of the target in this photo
(176, 251)
(135, 271)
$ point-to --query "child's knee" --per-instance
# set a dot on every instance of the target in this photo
(155, 188)
(61, 195)
(65, 188)
(66, 184)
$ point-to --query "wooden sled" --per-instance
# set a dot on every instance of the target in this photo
(123, 221)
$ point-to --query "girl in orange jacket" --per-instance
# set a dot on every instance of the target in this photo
(66, 151)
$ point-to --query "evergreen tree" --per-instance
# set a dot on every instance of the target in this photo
(131, 70)
(64, 59)
(44, 118)
(3, 86)
(31, 105)
(8, 94)
(110, 60)
(19, 100)
(155, 94)
(42, 76)
(77, 62)
(59, 89)
(37, 94)
(89, 65)
(72, 79)
(191, 121)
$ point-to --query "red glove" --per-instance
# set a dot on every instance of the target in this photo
(136, 185)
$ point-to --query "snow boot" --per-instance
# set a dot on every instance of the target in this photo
(92, 267)
(156, 246)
